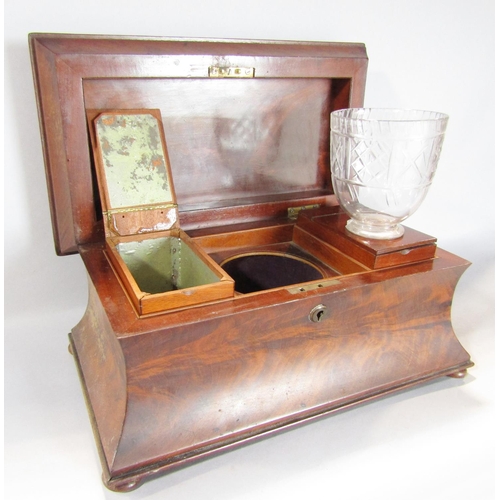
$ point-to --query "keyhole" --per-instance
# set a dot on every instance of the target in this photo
(317, 314)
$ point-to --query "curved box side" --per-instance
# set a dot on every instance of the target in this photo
(193, 391)
(101, 367)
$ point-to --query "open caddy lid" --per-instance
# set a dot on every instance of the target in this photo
(133, 170)
(246, 122)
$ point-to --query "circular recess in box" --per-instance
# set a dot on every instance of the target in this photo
(255, 272)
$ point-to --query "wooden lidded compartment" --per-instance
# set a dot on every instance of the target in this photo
(160, 268)
(167, 271)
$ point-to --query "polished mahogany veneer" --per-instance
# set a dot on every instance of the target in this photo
(246, 126)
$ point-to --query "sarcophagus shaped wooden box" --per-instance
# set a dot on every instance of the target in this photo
(227, 300)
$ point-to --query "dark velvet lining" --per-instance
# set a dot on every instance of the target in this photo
(253, 273)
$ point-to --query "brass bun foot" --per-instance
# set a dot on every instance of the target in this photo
(123, 486)
(458, 374)
(70, 349)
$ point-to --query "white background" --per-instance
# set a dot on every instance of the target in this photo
(433, 442)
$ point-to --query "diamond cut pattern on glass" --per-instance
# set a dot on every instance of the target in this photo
(383, 161)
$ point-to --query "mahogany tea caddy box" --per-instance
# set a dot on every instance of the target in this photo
(226, 299)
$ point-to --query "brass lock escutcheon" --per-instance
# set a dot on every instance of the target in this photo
(317, 313)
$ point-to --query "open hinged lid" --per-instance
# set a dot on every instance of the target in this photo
(133, 172)
(246, 122)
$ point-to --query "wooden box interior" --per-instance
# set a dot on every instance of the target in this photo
(162, 271)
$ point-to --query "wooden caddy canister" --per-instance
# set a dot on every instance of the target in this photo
(226, 299)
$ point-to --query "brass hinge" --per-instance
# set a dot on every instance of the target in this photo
(293, 212)
(230, 72)
(139, 208)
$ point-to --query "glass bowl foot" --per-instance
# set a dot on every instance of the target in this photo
(366, 229)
